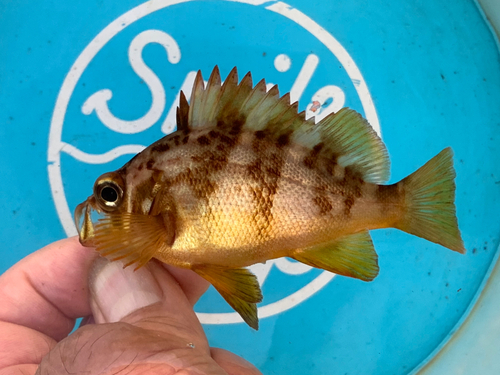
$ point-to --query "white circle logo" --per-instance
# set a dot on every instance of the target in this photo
(98, 106)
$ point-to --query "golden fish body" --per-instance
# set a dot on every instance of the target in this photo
(257, 204)
(245, 179)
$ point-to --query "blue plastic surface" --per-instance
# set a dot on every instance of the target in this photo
(426, 72)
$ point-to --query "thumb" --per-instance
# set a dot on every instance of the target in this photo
(117, 292)
(151, 292)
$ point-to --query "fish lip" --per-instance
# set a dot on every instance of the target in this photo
(86, 230)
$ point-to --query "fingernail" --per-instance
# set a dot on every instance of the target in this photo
(117, 292)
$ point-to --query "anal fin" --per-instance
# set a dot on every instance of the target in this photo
(238, 286)
(133, 238)
(352, 256)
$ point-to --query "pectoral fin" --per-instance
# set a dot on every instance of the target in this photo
(238, 286)
(133, 238)
(352, 256)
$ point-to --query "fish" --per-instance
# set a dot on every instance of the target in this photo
(246, 178)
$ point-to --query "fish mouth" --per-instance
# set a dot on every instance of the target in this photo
(83, 222)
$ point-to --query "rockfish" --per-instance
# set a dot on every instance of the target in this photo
(245, 178)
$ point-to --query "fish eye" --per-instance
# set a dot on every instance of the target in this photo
(108, 192)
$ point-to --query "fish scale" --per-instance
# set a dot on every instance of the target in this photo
(245, 178)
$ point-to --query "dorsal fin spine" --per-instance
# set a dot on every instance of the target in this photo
(226, 94)
(212, 95)
(258, 119)
(287, 114)
(230, 83)
(256, 95)
(182, 113)
(241, 93)
(196, 96)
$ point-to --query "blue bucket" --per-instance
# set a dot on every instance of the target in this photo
(84, 85)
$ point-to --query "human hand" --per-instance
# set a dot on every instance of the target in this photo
(144, 320)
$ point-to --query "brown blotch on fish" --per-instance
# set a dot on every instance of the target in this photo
(330, 168)
(318, 147)
(323, 203)
(185, 139)
(203, 140)
(144, 190)
(214, 134)
(217, 161)
(150, 163)
(273, 169)
(230, 141)
(351, 183)
(260, 134)
(262, 215)
(231, 124)
(321, 198)
(348, 203)
(161, 147)
(311, 159)
(255, 170)
(199, 182)
(283, 140)
(332, 164)
(265, 171)
(211, 161)
(236, 128)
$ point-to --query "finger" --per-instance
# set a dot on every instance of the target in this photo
(47, 290)
(233, 364)
(19, 369)
(21, 345)
(149, 297)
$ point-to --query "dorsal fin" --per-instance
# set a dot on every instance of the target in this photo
(349, 140)
(346, 137)
(256, 107)
(360, 147)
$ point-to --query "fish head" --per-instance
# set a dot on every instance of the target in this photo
(108, 197)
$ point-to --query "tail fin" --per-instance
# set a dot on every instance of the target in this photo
(430, 207)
